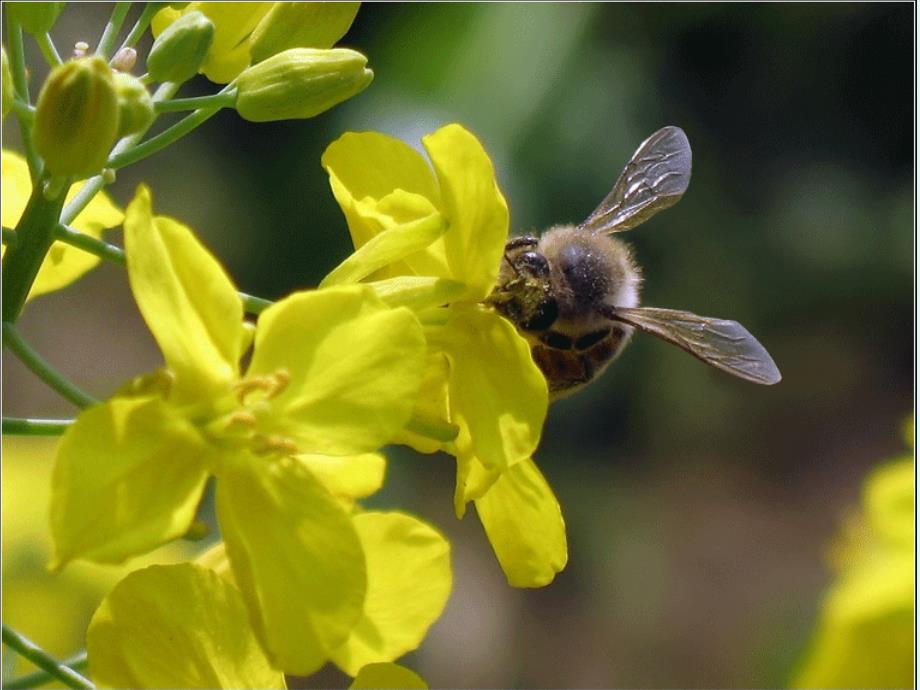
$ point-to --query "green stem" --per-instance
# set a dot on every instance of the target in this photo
(38, 656)
(109, 252)
(37, 364)
(140, 26)
(32, 680)
(110, 34)
(24, 111)
(50, 53)
(21, 86)
(163, 139)
(94, 184)
(20, 426)
(223, 99)
(9, 236)
(34, 235)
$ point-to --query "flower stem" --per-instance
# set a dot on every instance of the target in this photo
(24, 111)
(32, 680)
(140, 26)
(21, 86)
(110, 34)
(163, 139)
(43, 660)
(94, 184)
(223, 99)
(50, 53)
(34, 236)
(37, 364)
(35, 427)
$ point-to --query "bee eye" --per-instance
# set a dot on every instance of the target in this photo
(535, 264)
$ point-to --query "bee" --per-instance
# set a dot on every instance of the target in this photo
(573, 293)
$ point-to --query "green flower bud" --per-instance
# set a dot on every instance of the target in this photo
(135, 106)
(300, 25)
(6, 82)
(76, 118)
(36, 17)
(300, 83)
(181, 49)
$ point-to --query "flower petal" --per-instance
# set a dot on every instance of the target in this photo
(295, 555)
(301, 25)
(374, 179)
(473, 481)
(417, 292)
(408, 582)
(176, 626)
(127, 478)
(524, 523)
(473, 206)
(355, 367)
(386, 248)
(186, 298)
(63, 263)
(350, 476)
(382, 676)
(498, 396)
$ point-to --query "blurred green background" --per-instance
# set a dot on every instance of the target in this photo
(699, 507)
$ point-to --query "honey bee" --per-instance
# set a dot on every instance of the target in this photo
(573, 293)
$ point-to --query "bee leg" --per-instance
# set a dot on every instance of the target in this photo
(519, 242)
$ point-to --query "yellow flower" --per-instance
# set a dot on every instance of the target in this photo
(865, 634)
(431, 237)
(63, 264)
(248, 32)
(333, 372)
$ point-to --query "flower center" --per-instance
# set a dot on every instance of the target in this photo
(250, 401)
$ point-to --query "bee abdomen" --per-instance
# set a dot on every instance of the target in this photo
(569, 363)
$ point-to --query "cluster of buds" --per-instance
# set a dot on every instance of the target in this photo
(283, 67)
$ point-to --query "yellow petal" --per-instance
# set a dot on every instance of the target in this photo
(498, 396)
(431, 410)
(408, 582)
(354, 364)
(524, 523)
(417, 292)
(473, 481)
(127, 478)
(176, 626)
(373, 178)
(187, 300)
(63, 264)
(386, 248)
(350, 476)
(296, 556)
(389, 676)
(473, 206)
(301, 25)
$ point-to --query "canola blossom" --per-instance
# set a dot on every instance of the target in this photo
(63, 264)
(332, 373)
(431, 237)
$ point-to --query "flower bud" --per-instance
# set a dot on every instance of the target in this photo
(6, 82)
(135, 106)
(76, 118)
(36, 17)
(300, 83)
(300, 25)
(181, 49)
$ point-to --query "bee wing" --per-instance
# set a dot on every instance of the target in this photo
(656, 177)
(726, 345)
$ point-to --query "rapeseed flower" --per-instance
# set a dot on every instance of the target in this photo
(63, 263)
(431, 237)
(332, 373)
(246, 33)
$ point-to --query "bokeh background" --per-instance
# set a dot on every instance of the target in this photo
(699, 508)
